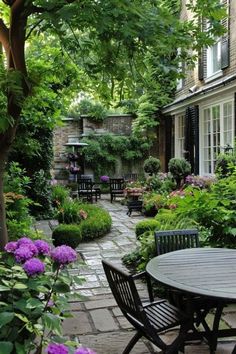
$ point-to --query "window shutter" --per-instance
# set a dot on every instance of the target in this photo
(225, 39)
(202, 56)
(169, 140)
(192, 137)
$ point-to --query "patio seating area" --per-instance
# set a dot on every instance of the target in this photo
(98, 322)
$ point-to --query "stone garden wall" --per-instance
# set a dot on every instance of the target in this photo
(74, 129)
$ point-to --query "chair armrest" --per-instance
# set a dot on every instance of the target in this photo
(149, 284)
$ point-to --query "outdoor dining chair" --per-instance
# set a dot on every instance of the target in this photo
(85, 189)
(174, 240)
(148, 319)
(117, 186)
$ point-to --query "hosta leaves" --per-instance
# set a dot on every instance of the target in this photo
(60, 287)
(52, 323)
(6, 347)
(6, 317)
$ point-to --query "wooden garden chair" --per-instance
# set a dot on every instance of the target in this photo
(148, 319)
(117, 186)
(173, 240)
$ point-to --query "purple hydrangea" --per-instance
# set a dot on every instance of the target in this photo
(24, 253)
(34, 267)
(64, 255)
(54, 348)
(11, 247)
(24, 241)
(104, 179)
(43, 247)
(84, 351)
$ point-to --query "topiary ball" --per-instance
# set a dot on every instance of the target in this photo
(67, 234)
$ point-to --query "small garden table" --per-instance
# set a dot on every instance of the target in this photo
(208, 272)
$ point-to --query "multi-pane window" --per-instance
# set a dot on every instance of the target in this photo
(214, 59)
(217, 132)
(179, 135)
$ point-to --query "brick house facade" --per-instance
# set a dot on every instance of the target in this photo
(200, 122)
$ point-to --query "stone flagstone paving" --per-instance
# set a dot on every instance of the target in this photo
(98, 323)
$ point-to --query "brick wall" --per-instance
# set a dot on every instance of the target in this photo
(120, 125)
(192, 75)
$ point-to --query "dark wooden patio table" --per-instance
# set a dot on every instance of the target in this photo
(208, 272)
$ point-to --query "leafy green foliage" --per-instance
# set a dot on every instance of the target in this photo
(17, 203)
(32, 306)
(179, 168)
(213, 210)
(65, 234)
(152, 202)
(102, 152)
(94, 110)
(69, 212)
(225, 165)
(145, 225)
(97, 224)
(59, 195)
(152, 165)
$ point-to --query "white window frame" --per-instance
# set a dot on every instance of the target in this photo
(223, 131)
(180, 81)
(179, 135)
(211, 72)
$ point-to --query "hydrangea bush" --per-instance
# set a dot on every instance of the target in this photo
(35, 287)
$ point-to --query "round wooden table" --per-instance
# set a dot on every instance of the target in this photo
(207, 272)
(201, 271)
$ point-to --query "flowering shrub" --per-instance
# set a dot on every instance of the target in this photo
(104, 179)
(201, 182)
(34, 292)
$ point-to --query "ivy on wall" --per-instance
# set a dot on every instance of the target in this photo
(103, 151)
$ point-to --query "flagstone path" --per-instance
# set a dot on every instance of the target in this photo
(97, 321)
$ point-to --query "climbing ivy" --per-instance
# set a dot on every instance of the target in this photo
(103, 151)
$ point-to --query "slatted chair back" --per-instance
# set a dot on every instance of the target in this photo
(173, 240)
(87, 177)
(131, 177)
(124, 290)
(85, 184)
(85, 188)
(117, 186)
(149, 319)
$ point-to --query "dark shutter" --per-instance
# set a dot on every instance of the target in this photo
(191, 145)
(202, 55)
(195, 123)
(225, 39)
(168, 140)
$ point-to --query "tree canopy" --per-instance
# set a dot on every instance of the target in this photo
(116, 48)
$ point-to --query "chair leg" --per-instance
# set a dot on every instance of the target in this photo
(132, 342)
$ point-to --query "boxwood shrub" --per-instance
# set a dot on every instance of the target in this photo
(146, 225)
(97, 224)
(67, 234)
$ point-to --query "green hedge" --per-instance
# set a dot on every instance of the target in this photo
(146, 225)
(97, 224)
(67, 234)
